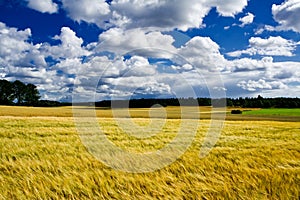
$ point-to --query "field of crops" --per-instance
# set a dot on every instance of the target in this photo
(43, 157)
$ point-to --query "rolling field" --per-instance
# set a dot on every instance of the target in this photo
(43, 157)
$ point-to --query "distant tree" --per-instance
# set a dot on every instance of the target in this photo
(260, 97)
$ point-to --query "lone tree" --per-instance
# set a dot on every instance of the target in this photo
(18, 93)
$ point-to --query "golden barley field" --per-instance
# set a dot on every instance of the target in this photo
(42, 157)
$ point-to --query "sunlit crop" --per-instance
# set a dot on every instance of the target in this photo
(42, 157)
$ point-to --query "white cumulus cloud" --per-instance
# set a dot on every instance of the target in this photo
(70, 47)
(272, 46)
(203, 53)
(91, 11)
(145, 43)
(16, 50)
(254, 85)
(139, 67)
(287, 15)
(248, 19)
(167, 15)
(150, 14)
(44, 6)
(229, 7)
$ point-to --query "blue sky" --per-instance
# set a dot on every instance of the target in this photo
(96, 49)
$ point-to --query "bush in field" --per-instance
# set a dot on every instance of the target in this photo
(236, 112)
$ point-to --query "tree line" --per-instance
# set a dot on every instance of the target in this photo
(147, 103)
(255, 102)
(260, 102)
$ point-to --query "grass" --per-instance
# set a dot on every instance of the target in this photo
(275, 112)
(42, 157)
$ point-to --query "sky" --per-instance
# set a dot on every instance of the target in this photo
(84, 50)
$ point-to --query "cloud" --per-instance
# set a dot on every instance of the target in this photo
(118, 78)
(161, 14)
(261, 84)
(149, 14)
(91, 11)
(12, 40)
(57, 87)
(272, 46)
(25, 61)
(182, 68)
(132, 87)
(248, 19)
(168, 15)
(152, 43)
(44, 6)
(16, 50)
(284, 71)
(139, 67)
(203, 53)
(226, 27)
(140, 75)
(287, 15)
(284, 74)
(249, 64)
(264, 76)
(70, 47)
(229, 8)
(265, 28)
